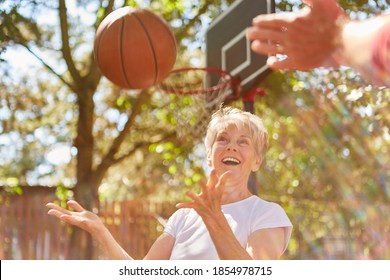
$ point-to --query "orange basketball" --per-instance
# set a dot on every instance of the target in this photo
(134, 48)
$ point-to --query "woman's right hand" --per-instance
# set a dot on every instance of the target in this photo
(91, 223)
(81, 218)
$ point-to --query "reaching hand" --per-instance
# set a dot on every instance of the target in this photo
(307, 38)
(81, 218)
(208, 202)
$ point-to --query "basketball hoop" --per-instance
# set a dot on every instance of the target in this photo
(193, 99)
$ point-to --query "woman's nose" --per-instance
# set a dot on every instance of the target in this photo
(232, 147)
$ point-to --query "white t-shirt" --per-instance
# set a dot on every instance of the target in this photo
(193, 241)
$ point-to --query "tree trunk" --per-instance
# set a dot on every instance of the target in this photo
(81, 244)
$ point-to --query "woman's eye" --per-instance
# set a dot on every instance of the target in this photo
(244, 142)
(222, 139)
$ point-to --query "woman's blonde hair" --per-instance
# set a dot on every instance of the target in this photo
(227, 115)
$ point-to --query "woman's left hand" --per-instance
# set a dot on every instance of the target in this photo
(208, 202)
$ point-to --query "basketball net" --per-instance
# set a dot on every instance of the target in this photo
(193, 100)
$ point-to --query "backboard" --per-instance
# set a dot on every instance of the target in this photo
(227, 47)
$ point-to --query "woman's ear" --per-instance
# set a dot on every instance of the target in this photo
(257, 164)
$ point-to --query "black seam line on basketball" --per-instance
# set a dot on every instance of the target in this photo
(121, 52)
(172, 37)
(151, 46)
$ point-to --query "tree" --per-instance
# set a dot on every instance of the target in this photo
(79, 74)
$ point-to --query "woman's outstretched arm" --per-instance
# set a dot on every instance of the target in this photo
(91, 223)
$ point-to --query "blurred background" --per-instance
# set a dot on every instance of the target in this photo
(67, 132)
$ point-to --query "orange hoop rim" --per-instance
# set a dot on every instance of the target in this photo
(228, 82)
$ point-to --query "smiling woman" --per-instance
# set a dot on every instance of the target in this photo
(224, 221)
(251, 124)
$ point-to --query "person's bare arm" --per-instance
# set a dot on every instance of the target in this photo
(356, 41)
(91, 223)
(262, 244)
(266, 244)
(321, 35)
(162, 248)
(224, 240)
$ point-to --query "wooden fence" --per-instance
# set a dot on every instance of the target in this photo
(27, 232)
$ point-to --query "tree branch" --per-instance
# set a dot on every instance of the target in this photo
(66, 51)
(70, 85)
(109, 159)
(170, 136)
(203, 9)
(93, 72)
(110, 156)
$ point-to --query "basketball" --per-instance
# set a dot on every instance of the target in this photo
(134, 48)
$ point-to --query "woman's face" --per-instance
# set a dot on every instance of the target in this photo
(234, 150)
